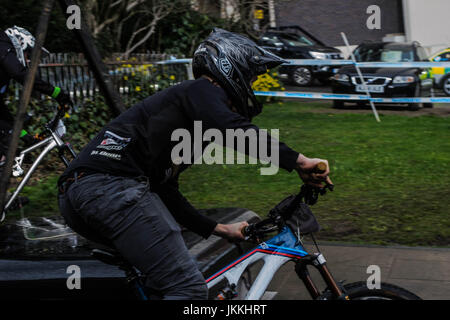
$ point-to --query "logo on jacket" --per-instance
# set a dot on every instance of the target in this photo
(112, 141)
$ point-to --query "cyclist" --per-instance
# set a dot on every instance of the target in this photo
(122, 189)
(16, 44)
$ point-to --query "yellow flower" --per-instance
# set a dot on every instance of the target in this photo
(172, 77)
(138, 88)
(133, 74)
(125, 78)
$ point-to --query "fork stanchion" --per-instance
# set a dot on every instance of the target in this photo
(331, 283)
(302, 272)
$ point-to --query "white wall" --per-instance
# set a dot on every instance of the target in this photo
(427, 21)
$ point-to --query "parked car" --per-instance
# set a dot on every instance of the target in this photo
(442, 75)
(386, 82)
(293, 42)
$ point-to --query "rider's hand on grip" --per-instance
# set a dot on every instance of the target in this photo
(245, 232)
(321, 167)
(313, 171)
(231, 231)
(64, 102)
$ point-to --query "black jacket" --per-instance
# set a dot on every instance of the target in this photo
(138, 143)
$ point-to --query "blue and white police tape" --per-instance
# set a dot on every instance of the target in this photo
(338, 62)
(174, 61)
(349, 97)
(341, 62)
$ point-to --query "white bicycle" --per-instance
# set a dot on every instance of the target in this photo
(52, 138)
(291, 219)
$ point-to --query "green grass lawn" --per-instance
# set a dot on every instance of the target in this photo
(392, 179)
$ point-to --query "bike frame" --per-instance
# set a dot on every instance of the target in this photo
(49, 143)
(277, 251)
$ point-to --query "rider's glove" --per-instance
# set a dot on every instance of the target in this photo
(62, 98)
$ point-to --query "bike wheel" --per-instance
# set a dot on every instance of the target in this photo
(387, 291)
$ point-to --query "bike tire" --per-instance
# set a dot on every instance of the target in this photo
(360, 291)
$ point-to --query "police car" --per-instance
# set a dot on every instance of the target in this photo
(442, 74)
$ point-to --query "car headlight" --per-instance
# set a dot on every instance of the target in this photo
(403, 79)
(341, 77)
(318, 55)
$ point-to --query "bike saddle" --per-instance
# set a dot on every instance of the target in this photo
(108, 257)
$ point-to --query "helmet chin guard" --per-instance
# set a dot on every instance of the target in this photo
(233, 61)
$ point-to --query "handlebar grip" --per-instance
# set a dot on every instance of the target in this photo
(321, 167)
(245, 231)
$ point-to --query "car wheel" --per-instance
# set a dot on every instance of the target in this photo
(324, 82)
(337, 104)
(302, 76)
(446, 85)
(416, 106)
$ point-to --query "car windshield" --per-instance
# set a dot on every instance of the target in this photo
(293, 40)
(384, 54)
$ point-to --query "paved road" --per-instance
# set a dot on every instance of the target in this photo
(423, 271)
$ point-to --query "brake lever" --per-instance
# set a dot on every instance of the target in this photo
(311, 194)
(323, 190)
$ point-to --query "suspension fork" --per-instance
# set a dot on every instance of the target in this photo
(318, 261)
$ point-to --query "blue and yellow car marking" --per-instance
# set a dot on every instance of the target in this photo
(439, 72)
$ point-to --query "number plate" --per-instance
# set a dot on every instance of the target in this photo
(370, 87)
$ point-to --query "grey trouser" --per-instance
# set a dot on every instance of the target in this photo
(123, 213)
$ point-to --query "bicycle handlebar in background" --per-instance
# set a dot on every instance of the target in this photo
(53, 124)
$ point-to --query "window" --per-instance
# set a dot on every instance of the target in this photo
(421, 53)
(380, 54)
(271, 41)
(296, 41)
(442, 57)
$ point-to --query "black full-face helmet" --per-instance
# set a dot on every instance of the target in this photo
(233, 61)
(23, 41)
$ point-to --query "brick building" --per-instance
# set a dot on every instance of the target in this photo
(327, 18)
(419, 20)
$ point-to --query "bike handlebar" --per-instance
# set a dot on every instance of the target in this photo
(255, 229)
(52, 125)
(321, 167)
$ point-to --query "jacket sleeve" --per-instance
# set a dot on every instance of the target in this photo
(15, 70)
(183, 212)
(208, 103)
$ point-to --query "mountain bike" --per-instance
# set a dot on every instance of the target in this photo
(51, 138)
(290, 220)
